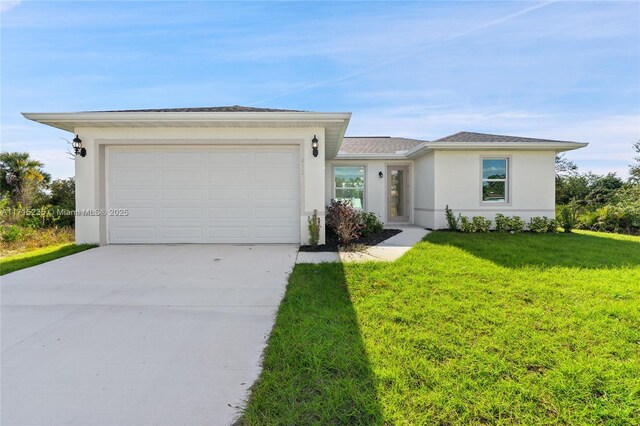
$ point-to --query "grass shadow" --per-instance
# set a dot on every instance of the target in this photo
(577, 249)
(36, 257)
(315, 368)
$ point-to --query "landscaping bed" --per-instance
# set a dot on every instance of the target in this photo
(333, 243)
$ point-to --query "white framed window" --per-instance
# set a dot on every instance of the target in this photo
(349, 184)
(495, 180)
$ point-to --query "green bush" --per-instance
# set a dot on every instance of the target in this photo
(567, 218)
(516, 224)
(512, 224)
(476, 224)
(502, 223)
(11, 233)
(452, 221)
(370, 223)
(465, 224)
(480, 224)
(542, 224)
(623, 217)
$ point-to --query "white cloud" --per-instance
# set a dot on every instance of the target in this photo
(6, 5)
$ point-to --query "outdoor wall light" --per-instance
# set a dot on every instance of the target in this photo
(77, 147)
(314, 145)
(380, 175)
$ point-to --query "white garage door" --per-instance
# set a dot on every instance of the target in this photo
(204, 195)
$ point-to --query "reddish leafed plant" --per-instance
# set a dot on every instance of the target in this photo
(343, 220)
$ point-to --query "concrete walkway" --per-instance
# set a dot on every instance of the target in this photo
(388, 250)
(138, 335)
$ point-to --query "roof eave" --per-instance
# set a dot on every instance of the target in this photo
(494, 146)
(372, 156)
(76, 119)
(71, 121)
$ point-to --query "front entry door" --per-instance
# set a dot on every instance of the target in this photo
(398, 194)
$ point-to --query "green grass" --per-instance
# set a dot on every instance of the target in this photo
(35, 257)
(463, 329)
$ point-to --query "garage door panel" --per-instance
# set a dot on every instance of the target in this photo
(276, 176)
(181, 212)
(286, 193)
(275, 158)
(138, 160)
(208, 194)
(230, 194)
(182, 233)
(181, 159)
(229, 233)
(135, 233)
(180, 176)
(274, 212)
(136, 213)
(133, 194)
(228, 212)
(128, 176)
(181, 194)
(227, 175)
(226, 157)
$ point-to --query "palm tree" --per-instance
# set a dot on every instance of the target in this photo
(17, 172)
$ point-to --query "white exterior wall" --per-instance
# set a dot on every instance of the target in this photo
(423, 211)
(90, 170)
(458, 183)
(375, 187)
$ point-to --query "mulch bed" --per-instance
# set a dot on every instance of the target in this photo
(332, 242)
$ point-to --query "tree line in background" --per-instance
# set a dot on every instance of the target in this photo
(32, 205)
(598, 202)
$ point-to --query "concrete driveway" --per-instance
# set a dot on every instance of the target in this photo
(138, 335)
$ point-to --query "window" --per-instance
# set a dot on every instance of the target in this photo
(494, 180)
(349, 185)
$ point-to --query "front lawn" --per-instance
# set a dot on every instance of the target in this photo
(463, 329)
(38, 256)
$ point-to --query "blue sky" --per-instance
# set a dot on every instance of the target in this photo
(563, 70)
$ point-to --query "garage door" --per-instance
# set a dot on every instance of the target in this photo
(203, 195)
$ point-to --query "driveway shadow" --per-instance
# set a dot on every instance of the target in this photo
(545, 250)
(315, 368)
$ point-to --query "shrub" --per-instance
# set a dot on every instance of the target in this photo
(502, 223)
(567, 218)
(452, 221)
(343, 220)
(480, 224)
(465, 224)
(11, 233)
(542, 224)
(370, 224)
(314, 228)
(516, 224)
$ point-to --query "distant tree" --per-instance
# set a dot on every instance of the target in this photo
(564, 166)
(602, 189)
(573, 188)
(21, 177)
(63, 193)
(634, 170)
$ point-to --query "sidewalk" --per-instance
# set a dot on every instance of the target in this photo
(388, 250)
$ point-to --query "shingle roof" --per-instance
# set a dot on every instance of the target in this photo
(486, 137)
(376, 145)
(231, 108)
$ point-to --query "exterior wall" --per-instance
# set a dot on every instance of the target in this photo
(423, 211)
(458, 184)
(90, 170)
(375, 187)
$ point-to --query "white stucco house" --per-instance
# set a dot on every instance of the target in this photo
(254, 175)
